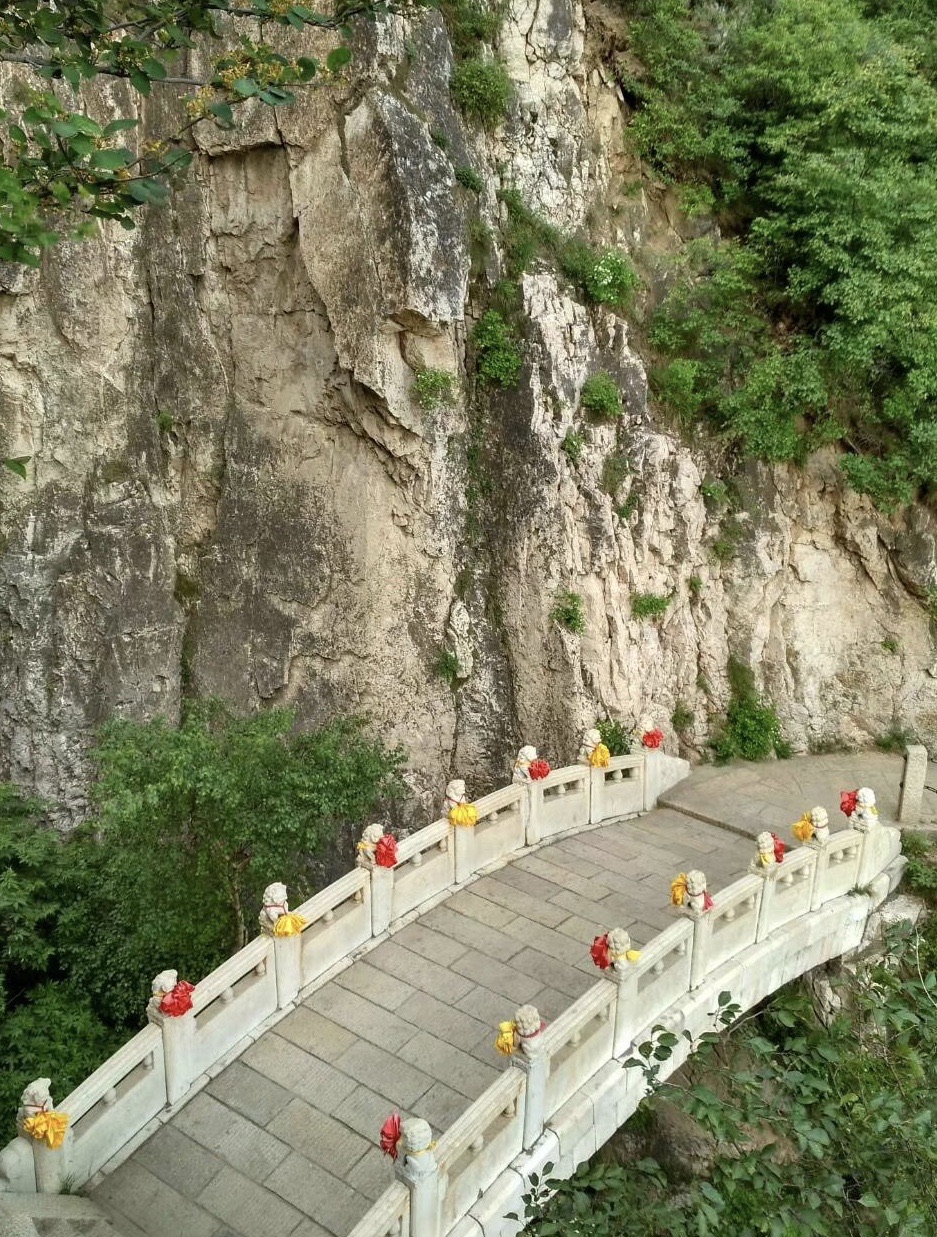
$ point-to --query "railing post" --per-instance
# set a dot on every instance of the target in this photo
(48, 1135)
(626, 1002)
(416, 1167)
(287, 943)
(178, 1032)
(912, 786)
(533, 1061)
(650, 779)
(532, 809)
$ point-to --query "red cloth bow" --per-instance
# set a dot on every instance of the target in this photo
(847, 801)
(779, 849)
(707, 901)
(178, 1001)
(599, 952)
(390, 1135)
(652, 738)
(538, 769)
(385, 853)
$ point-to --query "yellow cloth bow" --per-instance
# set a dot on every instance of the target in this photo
(48, 1128)
(678, 890)
(463, 814)
(505, 1043)
(765, 860)
(289, 925)
(803, 830)
(600, 756)
(630, 955)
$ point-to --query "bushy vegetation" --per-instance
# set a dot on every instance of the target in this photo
(810, 128)
(189, 824)
(432, 388)
(616, 737)
(482, 89)
(604, 277)
(649, 605)
(568, 612)
(601, 395)
(812, 1130)
(572, 446)
(468, 177)
(499, 359)
(751, 730)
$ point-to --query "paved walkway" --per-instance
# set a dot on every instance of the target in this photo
(284, 1140)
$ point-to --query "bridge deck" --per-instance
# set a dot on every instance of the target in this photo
(283, 1140)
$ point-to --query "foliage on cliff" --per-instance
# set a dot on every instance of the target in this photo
(812, 1130)
(62, 169)
(809, 129)
(189, 825)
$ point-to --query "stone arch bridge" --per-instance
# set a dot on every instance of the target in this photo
(258, 1109)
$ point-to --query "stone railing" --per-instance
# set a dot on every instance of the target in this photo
(571, 1089)
(117, 1107)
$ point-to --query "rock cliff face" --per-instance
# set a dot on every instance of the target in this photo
(234, 491)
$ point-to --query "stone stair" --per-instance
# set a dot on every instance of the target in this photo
(53, 1215)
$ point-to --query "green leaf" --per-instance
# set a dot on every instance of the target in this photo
(245, 86)
(119, 126)
(337, 59)
(111, 159)
(17, 464)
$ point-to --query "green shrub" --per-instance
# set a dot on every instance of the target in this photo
(615, 737)
(446, 666)
(890, 644)
(482, 90)
(611, 280)
(809, 125)
(572, 446)
(468, 177)
(433, 387)
(568, 612)
(682, 718)
(499, 359)
(632, 503)
(695, 586)
(471, 23)
(601, 395)
(616, 469)
(441, 139)
(649, 605)
(895, 739)
(751, 730)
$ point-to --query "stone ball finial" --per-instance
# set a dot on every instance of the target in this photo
(416, 1136)
(528, 1021)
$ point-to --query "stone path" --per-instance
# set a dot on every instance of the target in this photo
(284, 1140)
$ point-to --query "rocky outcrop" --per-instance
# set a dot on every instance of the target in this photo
(234, 491)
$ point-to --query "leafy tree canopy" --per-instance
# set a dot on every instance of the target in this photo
(63, 169)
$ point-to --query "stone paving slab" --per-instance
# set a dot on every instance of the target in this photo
(285, 1139)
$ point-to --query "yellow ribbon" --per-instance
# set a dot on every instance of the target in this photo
(803, 830)
(289, 925)
(506, 1038)
(765, 860)
(600, 756)
(678, 890)
(48, 1128)
(463, 814)
(630, 955)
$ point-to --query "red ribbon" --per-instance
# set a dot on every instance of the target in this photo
(779, 849)
(599, 952)
(538, 769)
(385, 852)
(179, 1000)
(707, 901)
(652, 738)
(390, 1135)
(847, 801)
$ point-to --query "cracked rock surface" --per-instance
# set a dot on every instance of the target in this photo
(234, 491)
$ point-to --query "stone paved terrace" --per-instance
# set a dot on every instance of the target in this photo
(284, 1139)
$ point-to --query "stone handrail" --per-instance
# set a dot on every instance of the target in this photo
(573, 1089)
(118, 1106)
